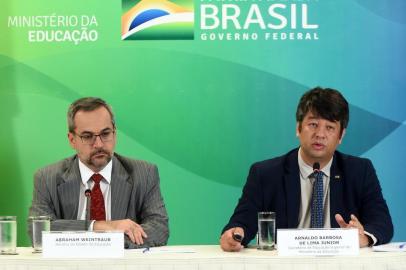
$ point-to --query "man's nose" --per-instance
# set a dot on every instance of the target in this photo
(321, 131)
(98, 142)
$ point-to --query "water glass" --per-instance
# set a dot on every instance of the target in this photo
(266, 230)
(8, 235)
(39, 224)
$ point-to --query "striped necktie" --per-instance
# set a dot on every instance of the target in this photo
(317, 214)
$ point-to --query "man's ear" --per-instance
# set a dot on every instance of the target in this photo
(298, 128)
(342, 136)
(71, 139)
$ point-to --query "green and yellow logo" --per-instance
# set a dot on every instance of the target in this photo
(157, 20)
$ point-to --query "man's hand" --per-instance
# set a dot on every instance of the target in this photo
(354, 223)
(130, 228)
(227, 241)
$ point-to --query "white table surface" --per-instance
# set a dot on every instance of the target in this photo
(208, 258)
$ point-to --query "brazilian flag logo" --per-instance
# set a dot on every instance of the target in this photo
(157, 20)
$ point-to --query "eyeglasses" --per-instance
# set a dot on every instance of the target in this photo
(90, 138)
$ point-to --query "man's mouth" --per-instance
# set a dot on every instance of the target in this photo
(99, 154)
(318, 146)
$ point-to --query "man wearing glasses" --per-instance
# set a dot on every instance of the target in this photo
(97, 189)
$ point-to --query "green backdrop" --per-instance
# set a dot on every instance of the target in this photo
(202, 110)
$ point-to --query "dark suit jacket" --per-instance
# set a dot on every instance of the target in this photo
(135, 194)
(274, 185)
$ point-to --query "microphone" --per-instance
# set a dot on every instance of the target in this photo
(88, 194)
(316, 167)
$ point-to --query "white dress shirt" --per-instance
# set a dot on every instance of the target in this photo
(88, 183)
(306, 189)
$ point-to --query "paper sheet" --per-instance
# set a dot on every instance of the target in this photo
(391, 247)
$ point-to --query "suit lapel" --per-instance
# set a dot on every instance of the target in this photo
(68, 190)
(121, 187)
(336, 191)
(292, 190)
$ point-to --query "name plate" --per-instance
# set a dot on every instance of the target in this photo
(318, 242)
(82, 244)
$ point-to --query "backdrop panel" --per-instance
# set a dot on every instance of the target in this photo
(203, 105)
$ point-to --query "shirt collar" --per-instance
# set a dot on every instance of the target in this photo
(86, 173)
(306, 170)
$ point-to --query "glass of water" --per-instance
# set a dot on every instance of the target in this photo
(8, 235)
(266, 230)
(38, 225)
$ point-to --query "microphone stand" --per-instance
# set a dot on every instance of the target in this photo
(88, 192)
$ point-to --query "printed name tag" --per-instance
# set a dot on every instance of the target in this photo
(82, 244)
(318, 242)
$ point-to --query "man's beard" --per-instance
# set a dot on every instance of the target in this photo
(99, 163)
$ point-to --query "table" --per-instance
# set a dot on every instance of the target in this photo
(207, 258)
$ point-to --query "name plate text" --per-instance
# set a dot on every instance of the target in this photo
(82, 244)
(318, 242)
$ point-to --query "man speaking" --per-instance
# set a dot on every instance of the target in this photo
(348, 188)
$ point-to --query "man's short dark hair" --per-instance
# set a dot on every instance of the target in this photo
(326, 103)
(87, 104)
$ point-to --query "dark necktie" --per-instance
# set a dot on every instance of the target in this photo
(317, 217)
(97, 210)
